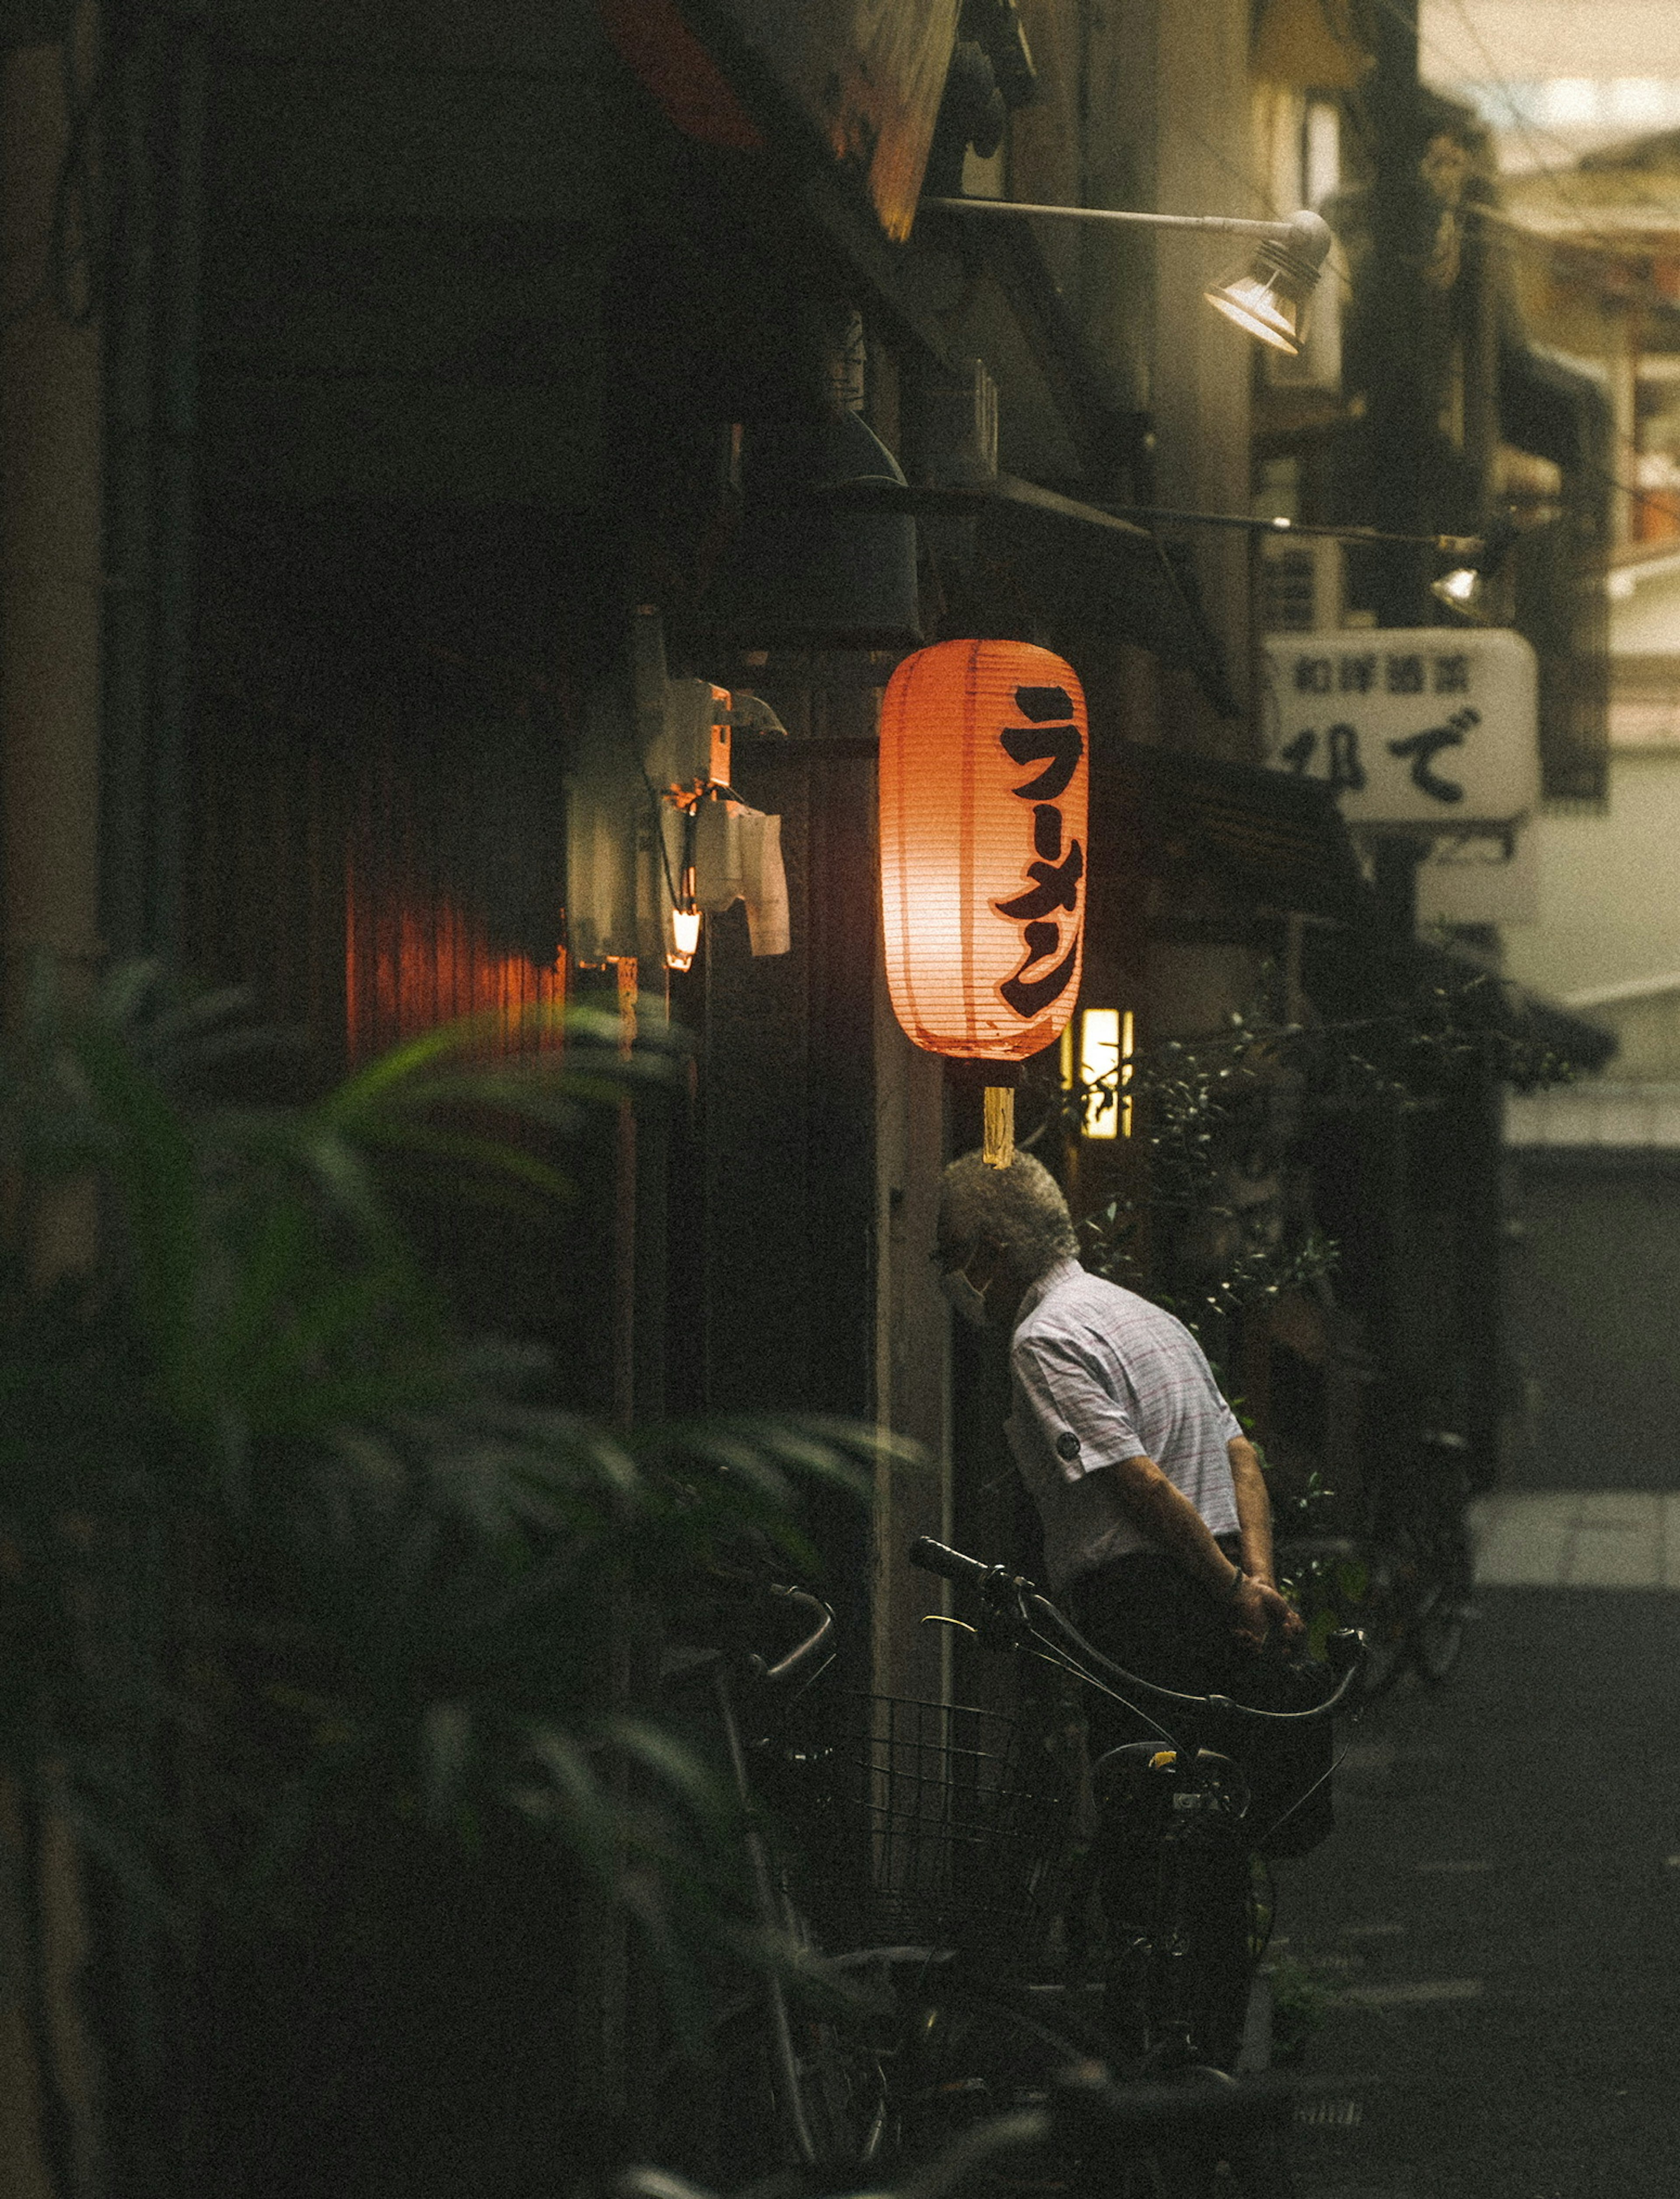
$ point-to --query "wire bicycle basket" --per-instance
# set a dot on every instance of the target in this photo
(929, 1823)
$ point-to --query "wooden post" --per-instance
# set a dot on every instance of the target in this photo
(1399, 424)
(51, 594)
(51, 603)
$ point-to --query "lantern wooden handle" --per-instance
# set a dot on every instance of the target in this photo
(997, 1139)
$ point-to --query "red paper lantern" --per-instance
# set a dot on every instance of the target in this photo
(984, 795)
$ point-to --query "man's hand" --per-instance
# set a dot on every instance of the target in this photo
(1258, 1610)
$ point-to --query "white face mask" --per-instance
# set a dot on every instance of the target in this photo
(963, 1296)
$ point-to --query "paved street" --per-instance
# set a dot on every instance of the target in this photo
(1492, 1938)
(1589, 1538)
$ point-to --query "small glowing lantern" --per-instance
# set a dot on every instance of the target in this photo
(1101, 1070)
(684, 938)
(984, 781)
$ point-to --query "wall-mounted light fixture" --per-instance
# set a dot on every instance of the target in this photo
(1463, 589)
(685, 937)
(657, 752)
(713, 847)
(1269, 297)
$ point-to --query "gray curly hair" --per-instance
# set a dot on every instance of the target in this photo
(1020, 1208)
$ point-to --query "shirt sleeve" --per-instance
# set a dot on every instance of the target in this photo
(1083, 1425)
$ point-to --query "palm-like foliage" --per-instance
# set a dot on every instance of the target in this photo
(276, 1545)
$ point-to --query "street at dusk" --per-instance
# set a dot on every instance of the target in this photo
(839, 1098)
(1490, 1939)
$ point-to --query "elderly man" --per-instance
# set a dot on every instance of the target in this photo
(1156, 1524)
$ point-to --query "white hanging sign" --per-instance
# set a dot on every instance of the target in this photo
(1492, 879)
(1417, 727)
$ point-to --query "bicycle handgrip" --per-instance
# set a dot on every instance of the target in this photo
(950, 1565)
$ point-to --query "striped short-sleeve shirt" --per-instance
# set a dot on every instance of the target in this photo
(1101, 1374)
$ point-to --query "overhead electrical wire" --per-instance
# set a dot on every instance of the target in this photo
(1555, 246)
(1662, 503)
(1261, 191)
(1523, 130)
(1520, 128)
(1553, 176)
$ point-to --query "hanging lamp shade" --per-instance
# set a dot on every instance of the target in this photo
(984, 780)
(799, 576)
(1271, 296)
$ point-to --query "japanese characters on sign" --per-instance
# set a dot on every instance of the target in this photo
(1055, 876)
(1408, 725)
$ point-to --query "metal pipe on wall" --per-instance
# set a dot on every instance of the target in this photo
(50, 529)
(128, 808)
(51, 613)
(174, 527)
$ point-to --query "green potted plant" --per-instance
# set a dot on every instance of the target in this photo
(321, 1770)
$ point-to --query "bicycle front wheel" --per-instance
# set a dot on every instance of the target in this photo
(717, 2111)
(973, 2051)
(1439, 1631)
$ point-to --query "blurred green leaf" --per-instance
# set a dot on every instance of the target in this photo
(282, 1550)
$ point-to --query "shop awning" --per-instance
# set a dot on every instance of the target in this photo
(1364, 974)
(1272, 842)
(1094, 569)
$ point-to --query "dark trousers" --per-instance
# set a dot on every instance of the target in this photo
(1147, 1615)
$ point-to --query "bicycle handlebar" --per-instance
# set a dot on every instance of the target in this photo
(955, 1566)
(1001, 1589)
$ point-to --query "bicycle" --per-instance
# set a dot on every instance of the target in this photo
(1437, 1544)
(938, 1827)
(1190, 1805)
(911, 1817)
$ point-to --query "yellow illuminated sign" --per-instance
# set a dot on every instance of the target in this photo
(1104, 1070)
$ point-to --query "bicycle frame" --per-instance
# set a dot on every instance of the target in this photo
(774, 1911)
(832, 2088)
